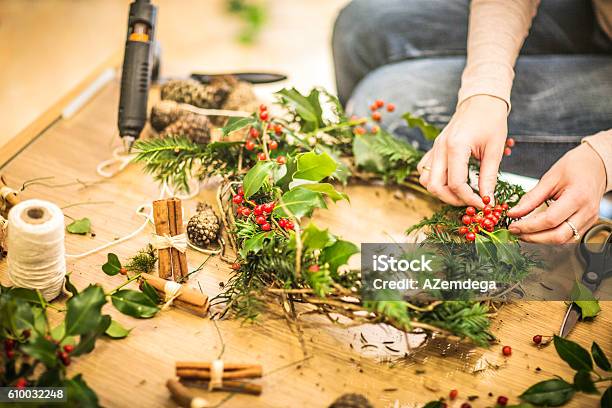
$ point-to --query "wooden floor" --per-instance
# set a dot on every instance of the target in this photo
(133, 371)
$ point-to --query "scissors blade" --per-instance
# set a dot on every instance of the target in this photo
(569, 321)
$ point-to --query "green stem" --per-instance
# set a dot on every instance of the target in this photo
(127, 282)
(338, 126)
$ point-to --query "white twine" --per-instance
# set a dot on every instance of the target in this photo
(5, 191)
(179, 242)
(199, 402)
(172, 290)
(36, 257)
(216, 375)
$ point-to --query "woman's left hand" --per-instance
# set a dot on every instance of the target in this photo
(576, 183)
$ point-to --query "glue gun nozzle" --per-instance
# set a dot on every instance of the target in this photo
(128, 142)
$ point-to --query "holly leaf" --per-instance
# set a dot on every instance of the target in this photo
(112, 266)
(87, 342)
(553, 393)
(70, 287)
(84, 310)
(116, 331)
(326, 189)
(150, 291)
(429, 131)
(573, 354)
(134, 303)
(314, 167)
(254, 244)
(367, 157)
(291, 168)
(434, 404)
(300, 202)
(79, 394)
(256, 177)
(234, 124)
(584, 299)
(302, 107)
(41, 349)
(606, 398)
(338, 254)
(600, 357)
(314, 238)
(81, 227)
(583, 382)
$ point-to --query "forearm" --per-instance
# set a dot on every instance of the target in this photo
(602, 144)
(497, 30)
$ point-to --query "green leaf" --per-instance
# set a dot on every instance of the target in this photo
(116, 331)
(584, 299)
(234, 124)
(79, 394)
(112, 266)
(606, 398)
(41, 349)
(134, 303)
(583, 382)
(434, 404)
(81, 227)
(300, 202)
(84, 310)
(600, 357)
(256, 177)
(254, 244)
(150, 291)
(87, 342)
(366, 157)
(314, 238)
(553, 393)
(485, 248)
(315, 167)
(302, 105)
(326, 189)
(430, 132)
(291, 167)
(573, 354)
(70, 287)
(338, 254)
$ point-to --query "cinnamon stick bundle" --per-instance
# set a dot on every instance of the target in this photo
(188, 299)
(201, 370)
(168, 218)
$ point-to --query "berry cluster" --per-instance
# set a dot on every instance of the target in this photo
(475, 221)
(452, 395)
(376, 116)
(274, 130)
(260, 212)
(509, 145)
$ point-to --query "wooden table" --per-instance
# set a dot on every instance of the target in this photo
(133, 371)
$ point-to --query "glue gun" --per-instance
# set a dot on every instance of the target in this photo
(136, 72)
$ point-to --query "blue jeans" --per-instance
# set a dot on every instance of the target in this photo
(412, 53)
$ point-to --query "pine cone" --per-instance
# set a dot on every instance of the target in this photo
(163, 113)
(351, 401)
(194, 93)
(195, 127)
(203, 228)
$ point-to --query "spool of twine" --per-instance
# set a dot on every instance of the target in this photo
(36, 256)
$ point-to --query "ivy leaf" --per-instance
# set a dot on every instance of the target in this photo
(150, 291)
(256, 177)
(584, 299)
(254, 244)
(300, 202)
(583, 382)
(314, 238)
(315, 167)
(41, 349)
(116, 331)
(87, 342)
(606, 398)
(134, 303)
(338, 254)
(553, 393)
(430, 132)
(600, 357)
(573, 354)
(81, 227)
(79, 394)
(326, 189)
(112, 266)
(84, 310)
(234, 124)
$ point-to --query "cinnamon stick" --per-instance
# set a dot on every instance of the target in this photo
(242, 387)
(206, 365)
(227, 375)
(162, 227)
(179, 259)
(188, 299)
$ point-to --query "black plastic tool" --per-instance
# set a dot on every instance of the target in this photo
(250, 77)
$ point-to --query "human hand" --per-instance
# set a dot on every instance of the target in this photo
(478, 128)
(576, 182)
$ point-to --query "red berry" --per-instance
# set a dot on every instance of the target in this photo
(258, 210)
(510, 142)
(507, 151)
(466, 219)
(313, 268)
(453, 394)
(68, 348)
(374, 130)
(10, 354)
(245, 211)
(21, 383)
(497, 214)
(376, 116)
(281, 160)
(390, 107)
(487, 210)
(463, 230)
(478, 219)
(237, 199)
(273, 145)
(263, 108)
(289, 225)
(261, 220)
(470, 236)
(487, 223)
(254, 133)
(278, 129)
(373, 107)
(9, 344)
(501, 400)
(486, 199)
(263, 115)
(266, 227)
(262, 156)
(65, 358)
(476, 228)
(359, 130)
(249, 145)
(507, 351)
(470, 211)
(235, 266)
(505, 206)
(537, 339)
(240, 190)
(282, 223)
(268, 207)
(498, 208)
(379, 103)
(466, 405)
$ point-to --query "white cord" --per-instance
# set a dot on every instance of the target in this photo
(216, 375)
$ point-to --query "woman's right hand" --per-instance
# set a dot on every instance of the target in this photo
(478, 128)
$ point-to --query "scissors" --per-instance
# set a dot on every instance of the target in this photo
(598, 267)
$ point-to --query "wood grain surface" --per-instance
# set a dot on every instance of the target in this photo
(133, 371)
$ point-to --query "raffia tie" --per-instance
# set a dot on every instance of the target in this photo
(179, 242)
(216, 375)
(172, 290)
